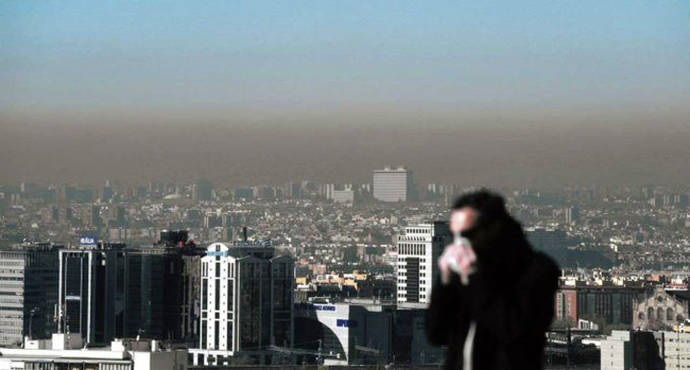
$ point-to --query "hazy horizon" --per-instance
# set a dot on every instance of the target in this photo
(493, 93)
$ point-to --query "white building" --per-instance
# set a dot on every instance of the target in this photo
(623, 350)
(346, 195)
(393, 184)
(246, 303)
(418, 249)
(344, 333)
(66, 351)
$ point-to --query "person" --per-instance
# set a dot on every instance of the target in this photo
(494, 297)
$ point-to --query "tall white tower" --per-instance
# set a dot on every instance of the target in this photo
(418, 250)
(246, 302)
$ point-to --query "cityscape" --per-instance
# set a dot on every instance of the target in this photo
(305, 273)
(331, 185)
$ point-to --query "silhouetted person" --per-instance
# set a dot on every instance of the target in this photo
(494, 297)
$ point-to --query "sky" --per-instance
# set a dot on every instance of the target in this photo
(333, 69)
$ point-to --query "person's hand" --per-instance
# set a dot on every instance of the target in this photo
(458, 258)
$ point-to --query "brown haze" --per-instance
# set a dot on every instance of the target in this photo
(541, 149)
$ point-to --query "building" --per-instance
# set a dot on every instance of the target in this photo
(658, 310)
(246, 303)
(345, 195)
(418, 249)
(92, 292)
(111, 291)
(64, 351)
(202, 190)
(410, 342)
(624, 350)
(344, 333)
(607, 304)
(28, 292)
(572, 215)
(393, 185)
(565, 306)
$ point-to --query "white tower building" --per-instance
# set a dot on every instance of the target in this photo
(418, 250)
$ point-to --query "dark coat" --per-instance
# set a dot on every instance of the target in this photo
(510, 297)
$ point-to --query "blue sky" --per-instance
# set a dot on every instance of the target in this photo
(171, 55)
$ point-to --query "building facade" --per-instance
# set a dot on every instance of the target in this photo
(659, 310)
(418, 249)
(393, 185)
(92, 292)
(344, 333)
(28, 292)
(565, 306)
(246, 303)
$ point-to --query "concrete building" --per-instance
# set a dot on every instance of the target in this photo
(418, 249)
(659, 310)
(66, 352)
(393, 185)
(28, 292)
(624, 350)
(345, 333)
(345, 195)
(246, 303)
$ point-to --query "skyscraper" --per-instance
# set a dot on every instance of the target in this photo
(393, 185)
(92, 293)
(246, 302)
(418, 249)
(28, 292)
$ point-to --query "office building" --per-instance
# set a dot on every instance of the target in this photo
(92, 292)
(344, 333)
(246, 303)
(623, 350)
(418, 249)
(572, 215)
(111, 291)
(28, 292)
(202, 190)
(345, 195)
(393, 185)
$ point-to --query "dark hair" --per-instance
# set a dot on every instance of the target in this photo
(496, 237)
(488, 204)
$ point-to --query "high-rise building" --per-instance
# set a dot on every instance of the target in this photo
(28, 292)
(203, 190)
(572, 215)
(418, 249)
(92, 292)
(246, 302)
(110, 290)
(393, 185)
(91, 216)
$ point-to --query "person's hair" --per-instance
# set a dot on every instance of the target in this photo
(489, 205)
(496, 237)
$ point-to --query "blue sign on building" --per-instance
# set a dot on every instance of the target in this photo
(88, 240)
(346, 323)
